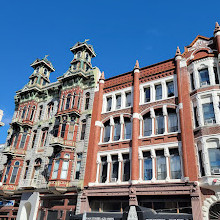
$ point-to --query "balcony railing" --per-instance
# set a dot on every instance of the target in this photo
(61, 141)
(30, 183)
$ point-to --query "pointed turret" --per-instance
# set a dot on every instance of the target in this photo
(178, 53)
(137, 65)
(217, 27)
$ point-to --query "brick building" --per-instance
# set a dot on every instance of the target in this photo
(156, 136)
(148, 137)
(43, 162)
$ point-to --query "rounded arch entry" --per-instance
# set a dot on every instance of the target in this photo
(26, 210)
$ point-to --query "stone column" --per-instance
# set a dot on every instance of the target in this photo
(165, 119)
(167, 155)
(109, 161)
(135, 122)
(122, 123)
(120, 160)
(153, 156)
(140, 157)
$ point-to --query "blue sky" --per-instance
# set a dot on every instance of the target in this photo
(120, 31)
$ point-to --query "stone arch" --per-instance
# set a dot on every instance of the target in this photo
(25, 212)
(208, 203)
(115, 116)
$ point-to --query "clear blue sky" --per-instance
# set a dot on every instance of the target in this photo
(121, 31)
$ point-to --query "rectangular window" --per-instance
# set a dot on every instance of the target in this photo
(83, 130)
(109, 104)
(14, 174)
(63, 129)
(126, 167)
(158, 89)
(128, 99)
(103, 177)
(161, 165)
(78, 165)
(118, 101)
(216, 75)
(192, 81)
(64, 170)
(6, 174)
(23, 139)
(175, 166)
(147, 165)
(147, 94)
(107, 131)
(117, 130)
(202, 171)
(147, 126)
(170, 89)
(114, 176)
(214, 159)
(204, 77)
(55, 169)
(127, 128)
(172, 122)
(159, 123)
(34, 138)
(195, 117)
(208, 113)
(55, 130)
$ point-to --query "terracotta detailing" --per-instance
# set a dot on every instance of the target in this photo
(217, 36)
(66, 131)
(135, 129)
(90, 175)
(188, 149)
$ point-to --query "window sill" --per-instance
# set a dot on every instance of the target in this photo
(158, 135)
(114, 142)
(144, 103)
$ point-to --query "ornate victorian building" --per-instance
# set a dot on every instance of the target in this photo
(43, 162)
(148, 137)
(156, 136)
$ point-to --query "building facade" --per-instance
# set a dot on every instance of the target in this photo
(156, 136)
(148, 137)
(43, 162)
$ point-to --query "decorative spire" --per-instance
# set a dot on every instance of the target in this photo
(217, 27)
(136, 65)
(102, 76)
(178, 53)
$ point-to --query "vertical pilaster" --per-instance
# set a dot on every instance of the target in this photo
(135, 129)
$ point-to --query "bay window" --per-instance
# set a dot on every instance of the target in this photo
(208, 113)
(147, 165)
(7, 172)
(55, 168)
(23, 139)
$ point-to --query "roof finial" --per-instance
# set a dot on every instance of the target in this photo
(178, 53)
(217, 27)
(136, 65)
(45, 57)
(87, 40)
(102, 76)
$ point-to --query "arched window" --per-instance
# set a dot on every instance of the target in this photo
(14, 172)
(127, 128)
(24, 111)
(172, 121)
(45, 72)
(87, 100)
(15, 139)
(28, 109)
(147, 125)
(73, 101)
(40, 112)
(117, 129)
(37, 167)
(44, 137)
(32, 113)
(107, 130)
(7, 169)
(68, 101)
(83, 129)
(159, 122)
(78, 54)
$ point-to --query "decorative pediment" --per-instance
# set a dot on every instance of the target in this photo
(200, 42)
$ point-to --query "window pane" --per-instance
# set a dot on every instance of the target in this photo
(55, 169)
(147, 166)
(161, 165)
(127, 129)
(175, 166)
(128, 99)
(147, 94)
(126, 167)
(14, 174)
(214, 158)
(117, 130)
(114, 168)
(172, 122)
(170, 89)
(158, 89)
(208, 111)
(103, 170)
(118, 101)
(64, 170)
(192, 81)
(147, 126)
(204, 77)
(107, 130)
(109, 104)
(159, 123)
